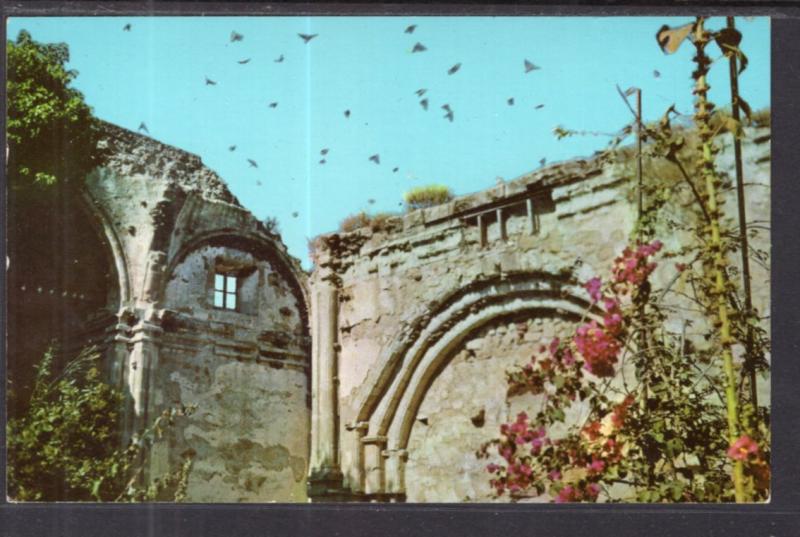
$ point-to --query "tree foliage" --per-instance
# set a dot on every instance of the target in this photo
(65, 446)
(50, 129)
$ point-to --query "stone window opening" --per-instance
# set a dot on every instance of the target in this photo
(226, 290)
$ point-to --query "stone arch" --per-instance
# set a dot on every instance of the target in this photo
(255, 243)
(102, 223)
(421, 351)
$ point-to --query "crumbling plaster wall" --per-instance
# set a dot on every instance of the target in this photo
(169, 221)
(395, 285)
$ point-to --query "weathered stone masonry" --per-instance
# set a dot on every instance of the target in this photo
(374, 378)
(433, 310)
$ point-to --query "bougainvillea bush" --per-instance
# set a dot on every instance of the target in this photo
(654, 425)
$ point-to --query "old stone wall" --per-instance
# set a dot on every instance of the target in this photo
(164, 228)
(426, 307)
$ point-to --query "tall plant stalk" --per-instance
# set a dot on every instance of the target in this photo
(714, 263)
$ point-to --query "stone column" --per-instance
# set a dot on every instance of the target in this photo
(354, 471)
(395, 482)
(324, 472)
(141, 372)
(373, 464)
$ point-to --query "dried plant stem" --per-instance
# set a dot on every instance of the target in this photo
(715, 274)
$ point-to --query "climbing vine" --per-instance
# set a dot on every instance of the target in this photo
(645, 401)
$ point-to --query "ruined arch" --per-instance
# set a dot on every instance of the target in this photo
(420, 352)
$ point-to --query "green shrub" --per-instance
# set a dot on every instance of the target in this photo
(65, 446)
(427, 196)
(377, 222)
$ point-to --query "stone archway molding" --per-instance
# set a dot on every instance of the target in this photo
(418, 354)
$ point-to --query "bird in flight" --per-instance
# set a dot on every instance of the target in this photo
(295, 214)
(419, 47)
(126, 28)
(253, 163)
(539, 106)
(656, 73)
(449, 114)
(236, 37)
(306, 37)
(322, 161)
(258, 183)
(424, 103)
(454, 69)
(143, 127)
(347, 113)
(370, 201)
(279, 59)
(529, 66)
(210, 82)
(232, 148)
(510, 101)
(395, 169)
(376, 158)
(324, 151)
(273, 105)
(542, 162)
(242, 62)
(410, 29)
(420, 92)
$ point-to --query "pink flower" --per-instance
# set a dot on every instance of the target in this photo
(593, 286)
(566, 494)
(596, 466)
(554, 346)
(593, 489)
(742, 448)
(568, 358)
(492, 468)
(554, 475)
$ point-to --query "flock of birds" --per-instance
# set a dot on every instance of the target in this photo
(424, 102)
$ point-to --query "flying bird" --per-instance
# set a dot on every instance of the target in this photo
(258, 183)
(279, 59)
(347, 113)
(542, 162)
(295, 214)
(232, 148)
(370, 201)
(454, 69)
(376, 158)
(529, 66)
(539, 106)
(410, 29)
(210, 82)
(273, 105)
(419, 47)
(242, 62)
(306, 37)
(424, 103)
(420, 92)
(236, 37)
(253, 163)
(656, 73)
(143, 127)
(395, 169)
(324, 151)
(322, 161)
(126, 28)
(449, 114)
(510, 101)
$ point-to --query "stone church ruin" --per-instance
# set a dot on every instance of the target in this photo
(374, 377)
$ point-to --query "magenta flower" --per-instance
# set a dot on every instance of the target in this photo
(593, 286)
(742, 448)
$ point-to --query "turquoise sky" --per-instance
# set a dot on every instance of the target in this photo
(155, 73)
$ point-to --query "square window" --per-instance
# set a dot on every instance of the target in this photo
(225, 286)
